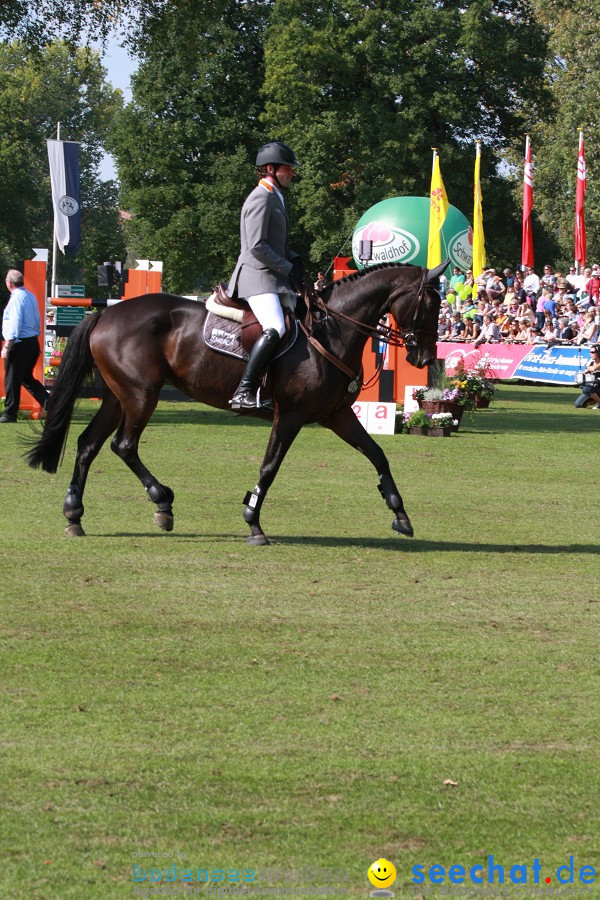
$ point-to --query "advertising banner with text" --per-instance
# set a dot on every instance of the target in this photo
(530, 362)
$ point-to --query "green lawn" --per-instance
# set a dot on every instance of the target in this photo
(303, 704)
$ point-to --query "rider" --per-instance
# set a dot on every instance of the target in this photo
(265, 265)
(590, 393)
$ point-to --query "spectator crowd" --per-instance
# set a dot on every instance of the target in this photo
(521, 307)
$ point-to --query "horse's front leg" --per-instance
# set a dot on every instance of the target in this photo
(344, 423)
(284, 431)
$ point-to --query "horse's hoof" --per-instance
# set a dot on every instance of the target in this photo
(164, 521)
(74, 530)
(258, 540)
(403, 526)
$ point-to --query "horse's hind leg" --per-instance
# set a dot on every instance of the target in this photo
(344, 423)
(89, 443)
(125, 445)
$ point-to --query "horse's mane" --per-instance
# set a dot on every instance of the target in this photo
(355, 276)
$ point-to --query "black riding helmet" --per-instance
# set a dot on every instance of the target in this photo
(276, 153)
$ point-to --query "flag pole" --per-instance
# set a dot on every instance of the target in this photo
(54, 239)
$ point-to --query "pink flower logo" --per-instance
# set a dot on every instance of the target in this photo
(376, 232)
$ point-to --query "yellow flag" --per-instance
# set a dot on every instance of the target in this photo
(438, 210)
(478, 239)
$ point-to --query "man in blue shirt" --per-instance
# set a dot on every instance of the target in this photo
(20, 330)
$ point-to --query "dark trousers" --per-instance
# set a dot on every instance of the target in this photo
(18, 370)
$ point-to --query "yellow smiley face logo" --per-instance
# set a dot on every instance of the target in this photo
(382, 873)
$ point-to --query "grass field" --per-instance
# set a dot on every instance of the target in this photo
(304, 704)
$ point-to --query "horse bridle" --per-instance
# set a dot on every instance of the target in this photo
(395, 337)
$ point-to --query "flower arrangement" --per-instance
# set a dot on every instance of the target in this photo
(475, 382)
(443, 420)
(421, 422)
(464, 388)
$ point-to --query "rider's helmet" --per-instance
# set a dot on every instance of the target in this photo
(276, 153)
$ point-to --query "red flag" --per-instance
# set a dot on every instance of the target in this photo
(580, 239)
(527, 244)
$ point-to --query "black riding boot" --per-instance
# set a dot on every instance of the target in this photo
(261, 353)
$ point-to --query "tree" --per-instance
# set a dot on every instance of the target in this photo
(185, 144)
(363, 90)
(37, 90)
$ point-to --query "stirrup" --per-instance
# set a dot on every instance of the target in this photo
(250, 400)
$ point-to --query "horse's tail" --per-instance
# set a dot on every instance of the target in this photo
(76, 365)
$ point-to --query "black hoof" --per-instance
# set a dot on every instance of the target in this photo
(403, 526)
(164, 521)
(258, 540)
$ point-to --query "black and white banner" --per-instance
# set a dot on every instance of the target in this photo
(63, 157)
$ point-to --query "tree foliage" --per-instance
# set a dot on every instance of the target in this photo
(184, 143)
(37, 91)
(365, 89)
(362, 89)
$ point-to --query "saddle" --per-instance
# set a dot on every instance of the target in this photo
(232, 328)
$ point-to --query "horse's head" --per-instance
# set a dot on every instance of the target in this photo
(421, 333)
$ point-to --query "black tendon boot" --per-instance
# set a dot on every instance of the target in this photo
(261, 353)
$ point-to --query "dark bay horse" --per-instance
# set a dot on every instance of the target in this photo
(141, 344)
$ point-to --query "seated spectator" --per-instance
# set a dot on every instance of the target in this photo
(503, 321)
(524, 335)
(444, 326)
(564, 332)
(509, 279)
(513, 331)
(549, 334)
(471, 331)
(496, 289)
(589, 330)
(457, 332)
(525, 311)
(483, 307)
(490, 333)
(519, 291)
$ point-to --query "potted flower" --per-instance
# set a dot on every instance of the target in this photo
(417, 422)
(449, 399)
(442, 425)
(476, 383)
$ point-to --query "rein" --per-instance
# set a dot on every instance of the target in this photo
(387, 334)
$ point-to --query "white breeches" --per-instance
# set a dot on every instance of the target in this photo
(267, 309)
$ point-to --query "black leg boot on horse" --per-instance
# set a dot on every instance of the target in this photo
(245, 395)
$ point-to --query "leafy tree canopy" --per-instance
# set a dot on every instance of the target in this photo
(37, 91)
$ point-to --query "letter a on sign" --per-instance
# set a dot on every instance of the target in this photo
(381, 418)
